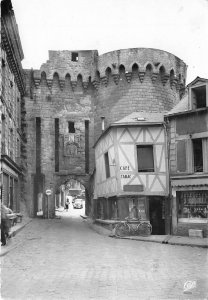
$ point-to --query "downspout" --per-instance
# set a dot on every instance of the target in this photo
(167, 145)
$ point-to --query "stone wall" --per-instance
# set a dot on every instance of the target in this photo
(80, 87)
(137, 80)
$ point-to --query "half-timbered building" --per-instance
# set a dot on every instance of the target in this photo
(131, 170)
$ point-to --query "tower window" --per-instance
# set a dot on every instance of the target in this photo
(71, 127)
(75, 56)
(3, 63)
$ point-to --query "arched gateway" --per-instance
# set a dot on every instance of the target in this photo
(66, 101)
(83, 180)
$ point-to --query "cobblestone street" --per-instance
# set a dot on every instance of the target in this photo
(64, 259)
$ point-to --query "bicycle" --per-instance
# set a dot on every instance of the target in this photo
(133, 227)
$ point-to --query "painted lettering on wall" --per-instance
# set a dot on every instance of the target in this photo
(124, 168)
(125, 175)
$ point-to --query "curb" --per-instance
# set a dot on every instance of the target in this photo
(13, 233)
(99, 229)
(168, 239)
(165, 241)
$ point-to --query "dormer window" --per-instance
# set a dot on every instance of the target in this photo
(198, 95)
(75, 56)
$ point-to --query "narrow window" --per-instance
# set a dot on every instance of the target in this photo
(56, 145)
(107, 166)
(87, 146)
(3, 133)
(145, 158)
(71, 128)
(199, 97)
(75, 56)
(198, 155)
(11, 146)
(38, 145)
(3, 63)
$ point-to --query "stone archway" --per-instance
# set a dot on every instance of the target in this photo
(83, 179)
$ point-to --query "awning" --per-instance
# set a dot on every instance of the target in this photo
(190, 182)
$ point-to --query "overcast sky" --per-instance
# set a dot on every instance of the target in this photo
(176, 26)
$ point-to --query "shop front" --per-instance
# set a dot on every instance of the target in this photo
(11, 185)
(145, 208)
(191, 211)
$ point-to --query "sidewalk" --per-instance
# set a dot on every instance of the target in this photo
(14, 230)
(163, 239)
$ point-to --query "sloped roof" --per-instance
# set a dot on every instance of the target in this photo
(136, 118)
(197, 79)
(141, 118)
(182, 106)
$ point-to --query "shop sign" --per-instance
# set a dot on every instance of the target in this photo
(133, 188)
(124, 168)
(125, 176)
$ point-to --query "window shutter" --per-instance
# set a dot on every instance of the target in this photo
(181, 156)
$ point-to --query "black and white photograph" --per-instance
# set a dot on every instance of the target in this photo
(104, 149)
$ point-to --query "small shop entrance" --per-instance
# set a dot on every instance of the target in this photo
(156, 214)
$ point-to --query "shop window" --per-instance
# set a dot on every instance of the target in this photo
(145, 158)
(107, 166)
(75, 56)
(198, 95)
(192, 206)
(197, 155)
(71, 128)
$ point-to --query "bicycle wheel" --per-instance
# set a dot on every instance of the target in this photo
(144, 229)
(121, 229)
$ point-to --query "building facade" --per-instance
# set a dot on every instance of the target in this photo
(188, 154)
(13, 141)
(66, 100)
(132, 171)
(70, 94)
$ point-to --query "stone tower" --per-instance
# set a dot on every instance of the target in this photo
(70, 93)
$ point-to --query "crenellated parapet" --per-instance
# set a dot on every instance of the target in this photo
(140, 62)
(69, 70)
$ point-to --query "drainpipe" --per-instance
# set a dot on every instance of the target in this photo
(167, 145)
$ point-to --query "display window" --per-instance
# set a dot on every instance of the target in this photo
(192, 206)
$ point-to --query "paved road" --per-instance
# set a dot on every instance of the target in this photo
(64, 259)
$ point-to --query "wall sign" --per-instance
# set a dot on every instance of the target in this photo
(125, 175)
(124, 168)
(133, 188)
(48, 192)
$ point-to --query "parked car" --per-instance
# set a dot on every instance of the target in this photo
(78, 203)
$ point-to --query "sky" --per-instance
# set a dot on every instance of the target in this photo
(177, 26)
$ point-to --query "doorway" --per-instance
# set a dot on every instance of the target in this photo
(156, 214)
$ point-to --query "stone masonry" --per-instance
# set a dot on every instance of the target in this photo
(67, 97)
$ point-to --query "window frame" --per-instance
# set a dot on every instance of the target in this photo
(194, 154)
(190, 155)
(75, 56)
(107, 165)
(193, 103)
(71, 122)
(153, 157)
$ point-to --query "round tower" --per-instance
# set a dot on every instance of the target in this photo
(139, 79)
